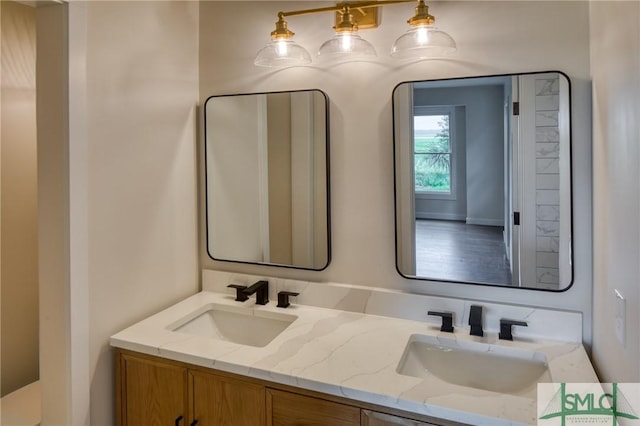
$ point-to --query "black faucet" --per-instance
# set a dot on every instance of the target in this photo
(505, 328)
(261, 289)
(475, 320)
(447, 320)
(240, 296)
(283, 298)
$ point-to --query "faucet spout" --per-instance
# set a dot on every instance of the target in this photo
(261, 290)
(475, 320)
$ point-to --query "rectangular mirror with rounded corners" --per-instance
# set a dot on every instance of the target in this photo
(483, 180)
(267, 178)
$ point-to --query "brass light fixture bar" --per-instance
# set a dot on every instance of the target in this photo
(366, 16)
(347, 44)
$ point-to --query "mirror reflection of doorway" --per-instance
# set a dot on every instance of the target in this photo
(446, 243)
(483, 190)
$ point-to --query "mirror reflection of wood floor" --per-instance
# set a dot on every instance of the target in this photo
(452, 250)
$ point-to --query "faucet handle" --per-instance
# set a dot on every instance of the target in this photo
(240, 294)
(475, 314)
(475, 320)
(505, 328)
(283, 298)
(447, 320)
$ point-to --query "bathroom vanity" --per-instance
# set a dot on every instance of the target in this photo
(206, 361)
(186, 394)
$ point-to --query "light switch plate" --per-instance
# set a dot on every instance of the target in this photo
(620, 319)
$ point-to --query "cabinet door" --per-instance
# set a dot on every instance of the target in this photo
(153, 393)
(221, 401)
(372, 418)
(289, 409)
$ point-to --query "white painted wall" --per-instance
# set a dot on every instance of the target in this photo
(615, 65)
(493, 38)
(119, 220)
(19, 199)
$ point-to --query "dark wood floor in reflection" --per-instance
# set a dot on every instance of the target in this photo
(451, 250)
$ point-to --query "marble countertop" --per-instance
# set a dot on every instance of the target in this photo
(352, 355)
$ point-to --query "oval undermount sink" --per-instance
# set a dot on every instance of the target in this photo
(245, 326)
(476, 365)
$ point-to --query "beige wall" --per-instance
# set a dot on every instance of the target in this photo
(615, 65)
(19, 275)
(142, 91)
(53, 213)
(493, 38)
(124, 176)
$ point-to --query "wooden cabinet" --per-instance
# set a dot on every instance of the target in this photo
(373, 418)
(221, 401)
(153, 391)
(290, 409)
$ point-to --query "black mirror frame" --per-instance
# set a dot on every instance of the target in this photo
(395, 192)
(328, 181)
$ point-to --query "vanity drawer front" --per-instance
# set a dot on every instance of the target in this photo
(373, 418)
(288, 409)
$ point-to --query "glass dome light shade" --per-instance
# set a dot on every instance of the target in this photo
(282, 52)
(423, 42)
(346, 46)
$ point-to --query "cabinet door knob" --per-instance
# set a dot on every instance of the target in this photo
(178, 420)
(194, 423)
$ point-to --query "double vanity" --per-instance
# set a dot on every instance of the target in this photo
(482, 196)
(338, 366)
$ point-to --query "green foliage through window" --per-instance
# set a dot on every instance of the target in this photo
(432, 150)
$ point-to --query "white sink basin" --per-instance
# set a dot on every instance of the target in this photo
(476, 365)
(246, 326)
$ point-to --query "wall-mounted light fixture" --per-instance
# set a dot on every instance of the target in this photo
(423, 40)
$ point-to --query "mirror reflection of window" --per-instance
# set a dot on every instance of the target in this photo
(434, 144)
(483, 192)
(432, 150)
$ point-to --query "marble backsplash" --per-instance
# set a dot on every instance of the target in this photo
(542, 323)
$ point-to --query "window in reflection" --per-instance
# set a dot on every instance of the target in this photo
(434, 160)
(432, 150)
